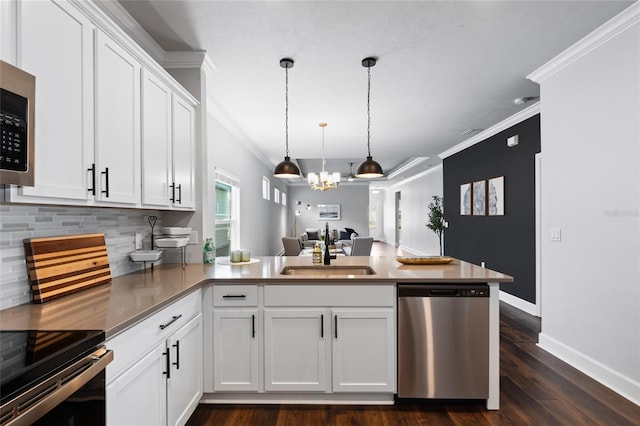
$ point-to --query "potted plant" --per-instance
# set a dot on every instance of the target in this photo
(436, 218)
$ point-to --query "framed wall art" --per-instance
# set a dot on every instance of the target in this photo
(465, 199)
(328, 211)
(479, 198)
(495, 196)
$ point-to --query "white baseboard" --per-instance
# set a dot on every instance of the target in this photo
(615, 381)
(297, 398)
(516, 302)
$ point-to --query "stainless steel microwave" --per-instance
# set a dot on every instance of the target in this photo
(17, 116)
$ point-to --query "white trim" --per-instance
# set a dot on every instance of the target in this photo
(406, 166)
(610, 29)
(120, 16)
(236, 131)
(538, 232)
(184, 59)
(619, 383)
(493, 130)
(297, 398)
(416, 176)
(521, 304)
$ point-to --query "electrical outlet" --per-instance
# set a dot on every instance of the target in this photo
(193, 238)
(556, 234)
(138, 241)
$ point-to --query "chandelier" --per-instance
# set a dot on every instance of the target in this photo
(325, 180)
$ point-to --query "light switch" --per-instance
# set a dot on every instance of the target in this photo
(556, 234)
(193, 238)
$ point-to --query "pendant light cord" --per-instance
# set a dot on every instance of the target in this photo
(368, 110)
(286, 110)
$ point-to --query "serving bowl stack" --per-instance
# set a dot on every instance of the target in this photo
(173, 237)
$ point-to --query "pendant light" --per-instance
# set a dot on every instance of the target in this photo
(287, 168)
(369, 168)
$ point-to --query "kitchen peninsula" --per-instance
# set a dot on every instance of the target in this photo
(257, 298)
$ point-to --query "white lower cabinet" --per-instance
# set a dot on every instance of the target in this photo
(329, 338)
(235, 350)
(139, 396)
(156, 376)
(295, 350)
(363, 350)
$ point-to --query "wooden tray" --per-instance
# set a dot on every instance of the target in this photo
(58, 266)
(429, 260)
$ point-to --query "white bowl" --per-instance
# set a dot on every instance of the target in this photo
(146, 255)
(174, 230)
(171, 242)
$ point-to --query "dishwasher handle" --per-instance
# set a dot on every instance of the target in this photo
(443, 290)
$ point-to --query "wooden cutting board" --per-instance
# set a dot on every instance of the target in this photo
(58, 266)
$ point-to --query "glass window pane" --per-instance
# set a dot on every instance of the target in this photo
(223, 239)
(223, 201)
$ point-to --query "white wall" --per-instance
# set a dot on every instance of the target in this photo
(262, 222)
(590, 112)
(416, 195)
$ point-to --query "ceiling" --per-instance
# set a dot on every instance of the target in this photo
(444, 67)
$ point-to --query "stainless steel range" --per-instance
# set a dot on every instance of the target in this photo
(53, 377)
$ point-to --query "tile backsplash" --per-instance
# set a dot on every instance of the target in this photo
(18, 222)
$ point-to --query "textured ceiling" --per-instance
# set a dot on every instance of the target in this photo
(443, 67)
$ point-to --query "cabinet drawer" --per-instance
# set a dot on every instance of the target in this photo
(134, 342)
(329, 295)
(235, 295)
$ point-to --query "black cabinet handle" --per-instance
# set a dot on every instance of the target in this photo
(234, 296)
(177, 346)
(173, 192)
(253, 326)
(336, 320)
(106, 181)
(92, 169)
(180, 194)
(322, 326)
(168, 372)
(171, 321)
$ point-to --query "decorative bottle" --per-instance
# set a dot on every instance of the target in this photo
(317, 253)
(327, 255)
(209, 252)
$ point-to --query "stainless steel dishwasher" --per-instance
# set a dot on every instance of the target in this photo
(443, 341)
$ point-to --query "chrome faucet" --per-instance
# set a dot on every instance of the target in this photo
(327, 255)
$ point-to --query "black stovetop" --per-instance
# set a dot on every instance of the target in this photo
(29, 356)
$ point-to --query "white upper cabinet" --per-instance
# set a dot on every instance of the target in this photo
(56, 45)
(183, 153)
(156, 141)
(117, 136)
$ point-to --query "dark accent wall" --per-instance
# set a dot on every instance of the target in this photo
(505, 243)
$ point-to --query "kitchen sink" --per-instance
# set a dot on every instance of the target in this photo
(336, 270)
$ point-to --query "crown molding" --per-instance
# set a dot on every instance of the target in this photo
(119, 14)
(493, 130)
(416, 176)
(406, 166)
(234, 130)
(188, 59)
(610, 29)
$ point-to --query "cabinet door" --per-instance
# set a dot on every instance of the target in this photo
(363, 350)
(235, 349)
(184, 387)
(56, 45)
(117, 102)
(183, 153)
(295, 354)
(139, 395)
(156, 141)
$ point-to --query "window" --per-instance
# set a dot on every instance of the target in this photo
(284, 198)
(227, 220)
(266, 188)
(276, 195)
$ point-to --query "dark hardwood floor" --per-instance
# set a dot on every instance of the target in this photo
(536, 388)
